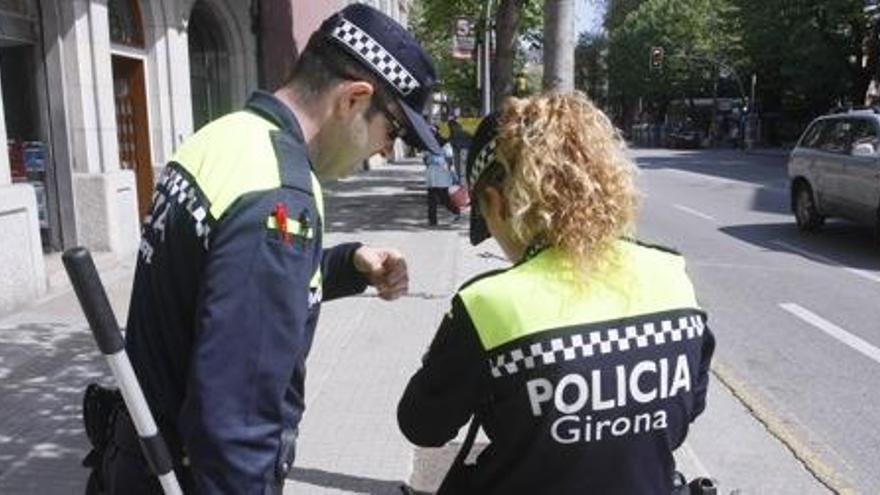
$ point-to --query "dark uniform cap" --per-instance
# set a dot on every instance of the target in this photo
(481, 157)
(391, 53)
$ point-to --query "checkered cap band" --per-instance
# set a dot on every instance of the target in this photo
(484, 158)
(586, 345)
(376, 56)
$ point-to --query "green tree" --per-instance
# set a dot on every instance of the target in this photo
(701, 42)
(809, 56)
(431, 22)
(591, 72)
(617, 10)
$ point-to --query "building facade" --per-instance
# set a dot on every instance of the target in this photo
(98, 94)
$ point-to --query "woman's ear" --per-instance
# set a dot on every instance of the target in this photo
(494, 204)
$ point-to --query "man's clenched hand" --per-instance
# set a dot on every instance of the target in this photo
(384, 269)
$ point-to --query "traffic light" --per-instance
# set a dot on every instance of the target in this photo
(656, 57)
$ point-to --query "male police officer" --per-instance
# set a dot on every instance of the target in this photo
(231, 270)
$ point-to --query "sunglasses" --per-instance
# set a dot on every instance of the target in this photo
(397, 129)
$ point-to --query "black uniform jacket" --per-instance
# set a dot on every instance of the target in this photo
(579, 389)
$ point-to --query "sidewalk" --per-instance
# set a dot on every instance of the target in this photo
(363, 354)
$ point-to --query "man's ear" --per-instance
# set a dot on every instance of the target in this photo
(354, 96)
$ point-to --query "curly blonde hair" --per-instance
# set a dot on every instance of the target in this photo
(568, 182)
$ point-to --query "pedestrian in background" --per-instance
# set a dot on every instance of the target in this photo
(438, 179)
(232, 271)
(585, 361)
(460, 141)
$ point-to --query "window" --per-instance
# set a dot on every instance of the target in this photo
(209, 66)
(126, 27)
(864, 131)
(19, 7)
(813, 134)
(836, 136)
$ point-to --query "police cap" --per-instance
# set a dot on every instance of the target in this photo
(391, 53)
(481, 159)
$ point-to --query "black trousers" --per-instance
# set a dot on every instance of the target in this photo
(459, 157)
(439, 195)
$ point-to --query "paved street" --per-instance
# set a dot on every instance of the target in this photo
(367, 348)
(796, 315)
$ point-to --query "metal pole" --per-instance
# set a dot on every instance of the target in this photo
(487, 71)
(752, 119)
(754, 83)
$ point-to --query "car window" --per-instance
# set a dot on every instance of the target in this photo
(814, 133)
(836, 136)
(864, 131)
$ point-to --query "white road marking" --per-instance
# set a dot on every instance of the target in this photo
(694, 212)
(816, 257)
(856, 343)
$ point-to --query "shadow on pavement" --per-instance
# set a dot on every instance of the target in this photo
(838, 243)
(771, 200)
(345, 482)
(43, 372)
(388, 199)
(735, 165)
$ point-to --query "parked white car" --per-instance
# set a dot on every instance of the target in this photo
(835, 170)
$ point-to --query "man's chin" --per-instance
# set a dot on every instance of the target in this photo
(330, 174)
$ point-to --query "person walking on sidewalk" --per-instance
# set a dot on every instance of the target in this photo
(232, 271)
(438, 180)
(585, 361)
(460, 141)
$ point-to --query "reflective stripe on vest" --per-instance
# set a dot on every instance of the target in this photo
(317, 278)
(541, 294)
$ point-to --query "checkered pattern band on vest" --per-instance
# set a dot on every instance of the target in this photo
(585, 345)
(376, 56)
(484, 158)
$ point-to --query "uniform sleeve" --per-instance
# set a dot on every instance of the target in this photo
(702, 381)
(453, 380)
(250, 331)
(340, 278)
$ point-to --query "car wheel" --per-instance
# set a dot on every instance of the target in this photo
(805, 212)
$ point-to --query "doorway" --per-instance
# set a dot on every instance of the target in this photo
(132, 124)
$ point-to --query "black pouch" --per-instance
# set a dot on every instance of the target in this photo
(286, 454)
(101, 406)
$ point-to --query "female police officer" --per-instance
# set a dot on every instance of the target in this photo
(586, 360)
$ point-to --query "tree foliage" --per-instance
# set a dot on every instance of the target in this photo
(591, 72)
(432, 23)
(701, 42)
(617, 10)
(808, 55)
